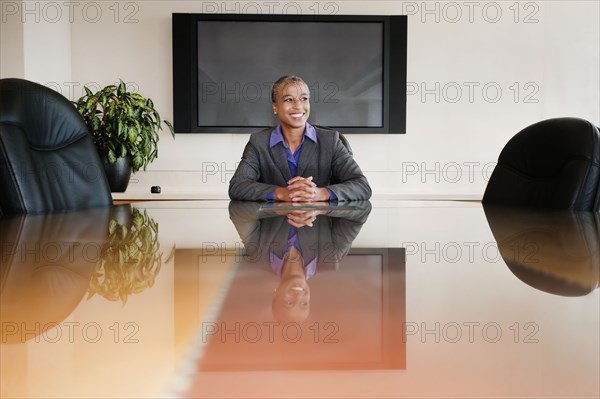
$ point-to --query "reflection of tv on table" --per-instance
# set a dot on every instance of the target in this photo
(225, 64)
(356, 319)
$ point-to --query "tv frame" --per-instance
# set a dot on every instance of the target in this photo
(185, 77)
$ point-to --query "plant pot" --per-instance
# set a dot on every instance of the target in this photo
(122, 214)
(117, 173)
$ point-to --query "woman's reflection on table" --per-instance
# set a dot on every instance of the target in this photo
(295, 244)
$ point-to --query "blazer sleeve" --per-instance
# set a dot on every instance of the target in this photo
(245, 184)
(347, 179)
(344, 229)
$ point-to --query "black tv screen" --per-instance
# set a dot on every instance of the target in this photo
(225, 64)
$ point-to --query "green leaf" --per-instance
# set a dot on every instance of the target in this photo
(121, 87)
(94, 124)
(112, 225)
(133, 135)
(123, 232)
(138, 219)
(111, 157)
(137, 162)
(170, 126)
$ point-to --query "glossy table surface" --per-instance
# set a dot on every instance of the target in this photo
(373, 299)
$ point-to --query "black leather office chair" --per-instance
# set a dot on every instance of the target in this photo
(343, 139)
(346, 143)
(553, 164)
(48, 161)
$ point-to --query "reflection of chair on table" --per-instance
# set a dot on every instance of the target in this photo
(553, 251)
(45, 270)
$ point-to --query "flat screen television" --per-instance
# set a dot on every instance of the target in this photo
(224, 66)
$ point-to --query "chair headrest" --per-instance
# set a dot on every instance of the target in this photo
(49, 120)
(542, 149)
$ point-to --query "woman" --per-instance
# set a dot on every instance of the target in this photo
(296, 161)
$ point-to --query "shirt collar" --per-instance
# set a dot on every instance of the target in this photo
(277, 135)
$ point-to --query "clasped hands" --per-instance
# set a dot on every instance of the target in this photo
(301, 189)
(303, 217)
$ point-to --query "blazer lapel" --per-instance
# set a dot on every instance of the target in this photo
(308, 157)
(280, 159)
(275, 235)
(310, 243)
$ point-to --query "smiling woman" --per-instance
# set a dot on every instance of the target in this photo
(296, 161)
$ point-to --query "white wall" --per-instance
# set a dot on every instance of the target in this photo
(11, 43)
(478, 72)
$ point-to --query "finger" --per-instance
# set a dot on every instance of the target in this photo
(300, 179)
(301, 195)
(298, 225)
(305, 193)
(302, 221)
(300, 216)
(295, 179)
(301, 185)
(296, 214)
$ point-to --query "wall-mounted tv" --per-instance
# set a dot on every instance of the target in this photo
(225, 64)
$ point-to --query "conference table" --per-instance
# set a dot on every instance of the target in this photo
(220, 299)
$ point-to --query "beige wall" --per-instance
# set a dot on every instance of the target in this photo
(478, 72)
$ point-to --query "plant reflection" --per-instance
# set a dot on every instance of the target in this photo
(129, 260)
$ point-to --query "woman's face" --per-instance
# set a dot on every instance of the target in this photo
(292, 299)
(292, 105)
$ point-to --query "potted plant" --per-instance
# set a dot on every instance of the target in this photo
(124, 127)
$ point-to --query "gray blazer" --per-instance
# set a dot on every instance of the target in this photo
(328, 161)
